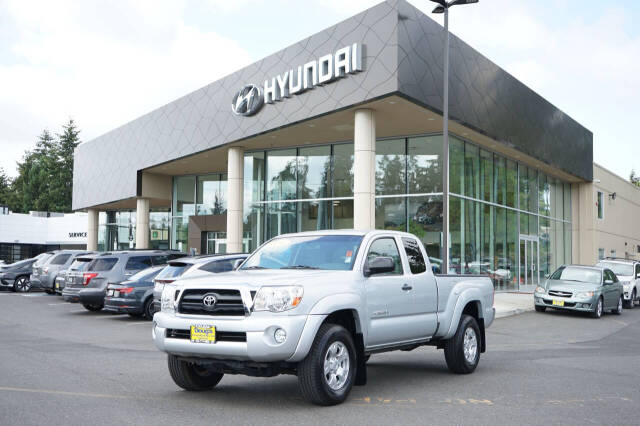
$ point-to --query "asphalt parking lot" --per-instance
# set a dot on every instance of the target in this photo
(64, 365)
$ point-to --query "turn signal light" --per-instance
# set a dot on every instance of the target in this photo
(87, 276)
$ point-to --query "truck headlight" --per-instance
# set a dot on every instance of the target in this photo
(278, 299)
(168, 299)
(540, 290)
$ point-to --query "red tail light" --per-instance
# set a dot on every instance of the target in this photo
(125, 290)
(87, 276)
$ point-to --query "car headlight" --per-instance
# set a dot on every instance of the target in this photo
(540, 290)
(168, 299)
(278, 299)
(584, 295)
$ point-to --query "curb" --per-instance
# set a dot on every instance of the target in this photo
(512, 312)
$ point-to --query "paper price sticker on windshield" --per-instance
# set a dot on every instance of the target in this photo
(347, 258)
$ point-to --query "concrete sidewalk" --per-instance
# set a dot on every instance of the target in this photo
(508, 304)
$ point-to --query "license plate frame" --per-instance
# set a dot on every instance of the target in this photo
(202, 334)
(557, 302)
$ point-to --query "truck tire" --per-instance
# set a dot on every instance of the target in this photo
(462, 351)
(328, 372)
(190, 376)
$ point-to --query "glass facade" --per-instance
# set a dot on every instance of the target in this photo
(117, 229)
(507, 220)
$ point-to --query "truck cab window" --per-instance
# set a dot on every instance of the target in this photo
(386, 247)
(414, 256)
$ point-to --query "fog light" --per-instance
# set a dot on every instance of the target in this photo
(280, 335)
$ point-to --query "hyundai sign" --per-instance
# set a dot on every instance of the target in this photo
(250, 98)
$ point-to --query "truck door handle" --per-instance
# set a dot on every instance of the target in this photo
(407, 287)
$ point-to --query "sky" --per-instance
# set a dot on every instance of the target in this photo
(105, 63)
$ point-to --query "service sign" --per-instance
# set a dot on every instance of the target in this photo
(324, 70)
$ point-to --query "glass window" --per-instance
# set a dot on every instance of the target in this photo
(314, 215)
(253, 225)
(391, 167)
(211, 194)
(60, 259)
(500, 179)
(136, 263)
(159, 220)
(545, 248)
(471, 258)
(471, 171)
(219, 266)
(253, 177)
(314, 168)
(179, 233)
(342, 214)
(173, 271)
(600, 253)
(281, 174)
(386, 247)
(456, 166)
(281, 219)
(456, 219)
(486, 176)
(425, 222)
(184, 196)
(533, 191)
(414, 256)
(161, 259)
(391, 213)
(103, 264)
(424, 170)
(512, 183)
(567, 201)
(343, 170)
(600, 204)
(544, 194)
(513, 242)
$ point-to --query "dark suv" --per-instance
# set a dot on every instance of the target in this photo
(90, 287)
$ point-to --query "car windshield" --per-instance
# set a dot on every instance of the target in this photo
(147, 274)
(622, 269)
(173, 270)
(329, 252)
(583, 275)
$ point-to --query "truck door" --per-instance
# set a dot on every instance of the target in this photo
(389, 302)
(423, 310)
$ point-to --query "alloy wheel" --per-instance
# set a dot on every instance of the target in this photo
(470, 345)
(23, 285)
(336, 365)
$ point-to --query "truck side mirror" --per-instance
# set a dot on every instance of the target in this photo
(378, 265)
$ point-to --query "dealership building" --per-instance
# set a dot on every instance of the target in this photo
(344, 130)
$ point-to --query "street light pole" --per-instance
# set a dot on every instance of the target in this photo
(444, 8)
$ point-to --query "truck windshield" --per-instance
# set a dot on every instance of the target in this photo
(329, 252)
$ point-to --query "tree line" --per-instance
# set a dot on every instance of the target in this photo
(45, 174)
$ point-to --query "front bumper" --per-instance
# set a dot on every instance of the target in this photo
(259, 327)
(122, 306)
(570, 304)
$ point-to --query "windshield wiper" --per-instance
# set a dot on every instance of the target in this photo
(299, 267)
(255, 267)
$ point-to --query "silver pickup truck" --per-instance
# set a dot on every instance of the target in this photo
(317, 305)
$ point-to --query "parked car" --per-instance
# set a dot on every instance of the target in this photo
(44, 275)
(628, 272)
(16, 275)
(133, 296)
(590, 289)
(214, 263)
(79, 264)
(111, 268)
(316, 305)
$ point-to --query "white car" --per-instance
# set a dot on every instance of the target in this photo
(628, 272)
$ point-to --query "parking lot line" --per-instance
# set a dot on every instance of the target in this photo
(139, 323)
(58, 392)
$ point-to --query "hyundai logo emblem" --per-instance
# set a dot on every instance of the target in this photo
(209, 300)
(247, 101)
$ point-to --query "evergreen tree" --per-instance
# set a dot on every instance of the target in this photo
(62, 190)
(634, 178)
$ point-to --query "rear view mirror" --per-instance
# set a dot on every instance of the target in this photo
(379, 265)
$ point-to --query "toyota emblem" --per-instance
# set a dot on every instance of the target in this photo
(209, 300)
(247, 101)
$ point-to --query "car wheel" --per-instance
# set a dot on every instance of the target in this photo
(597, 312)
(328, 372)
(149, 309)
(632, 301)
(541, 308)
(22, 285)
(92, 308)
(462, 351)
(192, 377)
(618, 309)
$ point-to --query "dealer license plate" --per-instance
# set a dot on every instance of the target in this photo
(57, 285)
(203, 334)
(558, 302)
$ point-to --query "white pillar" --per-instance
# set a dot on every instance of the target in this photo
(235, 198)
(92, 229)
(142, 223)
(364, 170)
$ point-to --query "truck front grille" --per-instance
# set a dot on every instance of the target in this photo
(221, 336)
(228, 302)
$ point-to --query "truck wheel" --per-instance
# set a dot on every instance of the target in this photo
(327, 374)
(92, 308)
(462, 351)
(192, 377)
